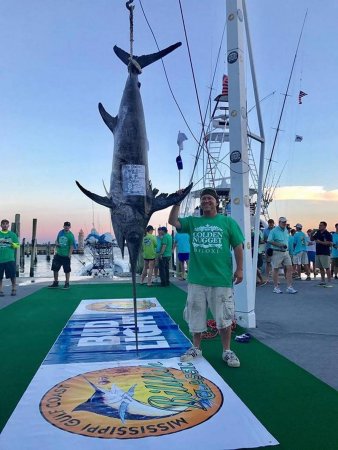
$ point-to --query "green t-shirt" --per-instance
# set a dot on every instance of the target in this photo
(167, 240)
(65, 241)
(149, 246)
(211, 240)
(7, 252)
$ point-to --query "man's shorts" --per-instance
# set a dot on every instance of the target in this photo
(311, 256)
(300, 258)
(61, 261)
(335, 262)
(183, 257)
(8, 268)
(220, 300)
(280, 258)
(323, 261)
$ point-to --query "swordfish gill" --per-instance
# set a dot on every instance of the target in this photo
(131, 198)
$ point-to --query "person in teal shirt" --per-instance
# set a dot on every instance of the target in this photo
(8, 244)
(149, 245)
(300, 252)
(182, 241)
(211, 276)
(165, 256)
(64, 246)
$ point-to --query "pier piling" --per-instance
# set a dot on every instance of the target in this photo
(33, 248)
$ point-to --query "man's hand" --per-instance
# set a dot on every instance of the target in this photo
(238, 276)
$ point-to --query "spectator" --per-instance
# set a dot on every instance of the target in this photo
(8, 244)
(323, 240)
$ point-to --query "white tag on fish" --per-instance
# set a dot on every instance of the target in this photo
(133, 179)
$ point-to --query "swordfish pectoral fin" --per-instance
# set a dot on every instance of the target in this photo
(109, 120)
(104, 201)
(145, 60)
(162, 201)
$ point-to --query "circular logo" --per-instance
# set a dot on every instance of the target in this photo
(132, 402)
(123, 306)
(232, 57)
(235, 156)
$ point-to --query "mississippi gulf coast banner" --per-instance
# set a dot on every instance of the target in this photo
(94, 391)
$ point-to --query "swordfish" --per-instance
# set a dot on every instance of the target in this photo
(131, 198)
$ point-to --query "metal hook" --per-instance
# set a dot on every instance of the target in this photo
(129, 2)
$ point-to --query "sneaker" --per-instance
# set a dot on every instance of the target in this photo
(55, 284)
(291, 290)
(308, 278)
(277, 291)
(243, 338)
(66, 286)
(322, 283)
(328, 286)
(190, 354)
(230, 358)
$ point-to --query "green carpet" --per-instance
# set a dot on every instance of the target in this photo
(299, 410)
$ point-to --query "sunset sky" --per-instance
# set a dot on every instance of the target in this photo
(57, 63)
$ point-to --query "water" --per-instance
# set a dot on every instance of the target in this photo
(43, 267)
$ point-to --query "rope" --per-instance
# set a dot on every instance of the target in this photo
(131, 25)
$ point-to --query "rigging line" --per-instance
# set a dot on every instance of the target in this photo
(284, 101)
(167, 78)
(274, 189)
(195, 85)
(200, 145)
(262, 100)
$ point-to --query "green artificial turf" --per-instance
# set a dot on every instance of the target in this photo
(299, 410)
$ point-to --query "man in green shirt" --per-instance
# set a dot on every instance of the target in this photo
(8, 244)
(165, 256)
(211, 276)
(64, 246)
(149, 254)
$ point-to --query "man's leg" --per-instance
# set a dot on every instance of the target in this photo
(196, 339)
(150, 271)
(144, 271)
(328, 274)
(225, 334)
(275, 277)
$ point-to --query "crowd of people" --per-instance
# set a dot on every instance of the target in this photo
(294, 251)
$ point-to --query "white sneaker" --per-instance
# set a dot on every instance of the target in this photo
(230, 358)
(290, 290)
(190, 354)
(277, 291)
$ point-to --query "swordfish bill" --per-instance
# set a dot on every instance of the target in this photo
(131, 198)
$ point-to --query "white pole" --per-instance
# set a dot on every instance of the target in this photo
(239, 160)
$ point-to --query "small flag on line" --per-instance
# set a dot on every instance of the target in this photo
(298, 138)
(300, 96)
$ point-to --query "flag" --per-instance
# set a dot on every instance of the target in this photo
(301, 94)
(180, 139)
(225, 85)
(298, 138)
(179, 162)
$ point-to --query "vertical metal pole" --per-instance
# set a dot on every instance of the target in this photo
(33, 248)
(239, 161)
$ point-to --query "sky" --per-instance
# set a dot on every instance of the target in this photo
(57, 63)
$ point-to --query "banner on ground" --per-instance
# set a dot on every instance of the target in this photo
(79, 397)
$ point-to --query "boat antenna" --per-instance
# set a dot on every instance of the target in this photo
(284, 101)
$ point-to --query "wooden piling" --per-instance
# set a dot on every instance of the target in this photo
(48, 252)
(33, 248)
(22, 254)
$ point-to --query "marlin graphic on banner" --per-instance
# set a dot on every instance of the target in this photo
(131, 198)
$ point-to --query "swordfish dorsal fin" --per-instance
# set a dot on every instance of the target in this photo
(104, 201)
(145, 60)
(162, 201)
(109, 120)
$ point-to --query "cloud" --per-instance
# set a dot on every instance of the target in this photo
(312, 193)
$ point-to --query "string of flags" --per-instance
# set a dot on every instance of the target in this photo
(300, 96)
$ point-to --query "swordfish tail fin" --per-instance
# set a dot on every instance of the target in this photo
(145, 60)
(162, 201)
(104, 201)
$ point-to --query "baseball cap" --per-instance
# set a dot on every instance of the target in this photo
(299, 225)
(282, 219)
(149, 228)
(165, 229)
(209, 191)
(66, 224)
